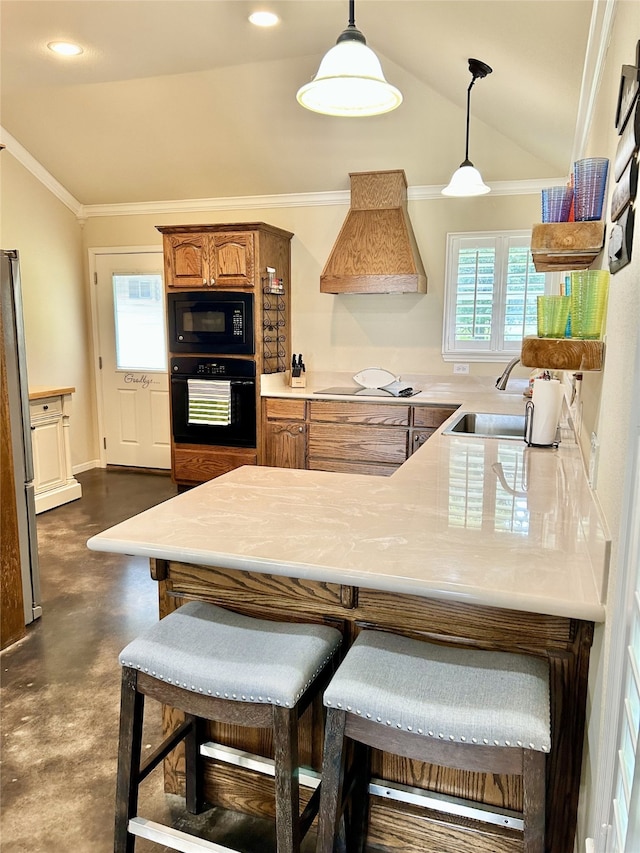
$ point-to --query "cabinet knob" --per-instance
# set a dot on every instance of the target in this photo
(213, 281)
(204, 281)
(45, 408)
(300, 429)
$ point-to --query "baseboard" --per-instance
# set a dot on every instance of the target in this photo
(86, 466)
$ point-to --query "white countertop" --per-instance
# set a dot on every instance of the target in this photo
(432, 390)
(445, 525)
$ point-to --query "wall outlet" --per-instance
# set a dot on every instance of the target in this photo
(461, 368)
(593, 460)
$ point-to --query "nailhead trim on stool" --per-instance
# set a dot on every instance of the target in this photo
(215, 664)
(439, 704)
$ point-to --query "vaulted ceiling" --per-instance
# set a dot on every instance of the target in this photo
(184, 99)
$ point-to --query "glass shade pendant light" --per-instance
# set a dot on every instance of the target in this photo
(350, 81)
(467, 180)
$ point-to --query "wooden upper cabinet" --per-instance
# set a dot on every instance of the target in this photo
(185, 258)
(232, 259)
(225, 259)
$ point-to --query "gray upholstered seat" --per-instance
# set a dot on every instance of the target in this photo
(452, 694)
(216, 652)
(212, 664)
(472, 710)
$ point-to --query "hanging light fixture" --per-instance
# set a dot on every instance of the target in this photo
(467, 180)
(350, 81)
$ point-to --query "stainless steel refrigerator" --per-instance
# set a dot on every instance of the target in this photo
(18, 392)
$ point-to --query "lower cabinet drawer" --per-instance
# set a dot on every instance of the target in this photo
(196, 464)
(45, 407)
(432, 416)
(344, 466)
(276, 408)
(357, 444)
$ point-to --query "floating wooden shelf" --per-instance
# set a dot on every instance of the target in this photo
(562, 353)
(566, 245)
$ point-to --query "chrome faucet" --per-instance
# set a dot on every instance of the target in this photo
(501, 382)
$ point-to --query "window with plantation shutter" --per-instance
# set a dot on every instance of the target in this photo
(491, 288)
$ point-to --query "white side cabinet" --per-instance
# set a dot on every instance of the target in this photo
(53, 480)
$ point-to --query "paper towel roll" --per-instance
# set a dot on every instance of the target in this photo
(547, 404)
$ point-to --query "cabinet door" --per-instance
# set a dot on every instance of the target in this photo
(231, 259)
(285, 444)
(47, 440)
(185, 259)
(418, 438)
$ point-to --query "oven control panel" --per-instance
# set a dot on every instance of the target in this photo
(228, 367)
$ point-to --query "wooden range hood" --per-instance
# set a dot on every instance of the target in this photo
(376, 249)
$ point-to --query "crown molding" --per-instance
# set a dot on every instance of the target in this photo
(342, 197)
(203, 205)
(38, 171)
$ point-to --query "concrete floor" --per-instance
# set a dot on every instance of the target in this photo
(60, 688)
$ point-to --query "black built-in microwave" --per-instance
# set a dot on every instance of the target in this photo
(211, 322)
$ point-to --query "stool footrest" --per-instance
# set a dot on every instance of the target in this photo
(240, 758)
(174, 838)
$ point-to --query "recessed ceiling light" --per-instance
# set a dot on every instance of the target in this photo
(264, 19)
(65, 48)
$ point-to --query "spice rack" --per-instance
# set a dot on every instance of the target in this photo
(274, 323)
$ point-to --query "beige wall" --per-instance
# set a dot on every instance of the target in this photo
(607, 406)
(400, 332)
(49, 239)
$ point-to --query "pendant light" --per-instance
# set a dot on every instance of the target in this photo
(350, 81)
(467, 180)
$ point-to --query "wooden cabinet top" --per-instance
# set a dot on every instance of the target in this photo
(224, 226)
(39, 392)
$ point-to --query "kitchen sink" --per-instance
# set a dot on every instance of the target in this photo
(487, 425)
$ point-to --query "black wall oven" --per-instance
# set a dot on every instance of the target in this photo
(213, 401)
(211, 322)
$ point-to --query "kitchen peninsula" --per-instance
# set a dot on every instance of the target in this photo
(472, 541)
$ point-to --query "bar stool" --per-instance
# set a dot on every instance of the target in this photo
(215, 664)
(467, 709)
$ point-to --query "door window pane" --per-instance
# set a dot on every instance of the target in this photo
(138, 308)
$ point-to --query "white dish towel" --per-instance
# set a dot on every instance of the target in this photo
(209, 402)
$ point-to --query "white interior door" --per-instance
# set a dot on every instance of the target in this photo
(133, 357)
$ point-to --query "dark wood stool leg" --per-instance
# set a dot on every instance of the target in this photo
(359, 797)
(533, 800)
(194, 775)
(129, 751)
(332, 779)
(285, 741)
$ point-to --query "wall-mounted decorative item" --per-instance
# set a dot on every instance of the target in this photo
(628, 92)
(625, 167)
(625, 190)
(628, 144)
(620, 240)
